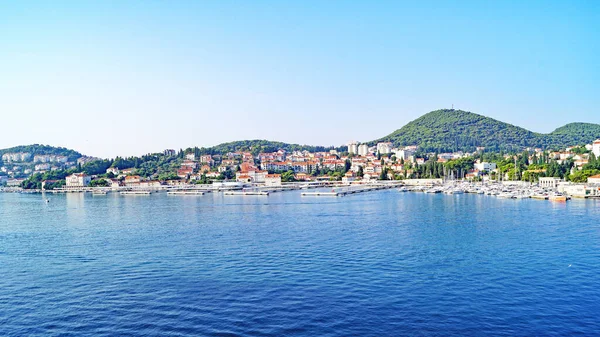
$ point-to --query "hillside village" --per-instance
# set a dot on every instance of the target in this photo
(359, 163)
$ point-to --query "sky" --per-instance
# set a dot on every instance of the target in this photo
(110, 78)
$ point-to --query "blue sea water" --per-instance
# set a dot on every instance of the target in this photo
(375, 264)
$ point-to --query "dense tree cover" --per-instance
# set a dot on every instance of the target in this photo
(583, 175)
(35, 181)
(154, 165)
(37, 149)
(576, 134)
(257, 146)
(432, 169)
(453, 130)
(99, 183)
(96, 167)
(592, 168)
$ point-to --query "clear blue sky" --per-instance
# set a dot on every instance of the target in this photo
(130, 77)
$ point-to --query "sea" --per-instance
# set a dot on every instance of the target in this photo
(381, 263)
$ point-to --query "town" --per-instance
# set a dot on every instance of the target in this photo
(573, 171)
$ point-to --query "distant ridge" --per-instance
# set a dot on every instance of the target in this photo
(437, 131)
(454, 130)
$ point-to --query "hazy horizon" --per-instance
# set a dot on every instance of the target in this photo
(139, 77)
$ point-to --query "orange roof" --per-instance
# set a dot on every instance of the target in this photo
(597, 176)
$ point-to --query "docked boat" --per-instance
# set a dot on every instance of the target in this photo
(557, 197)
(454, 191)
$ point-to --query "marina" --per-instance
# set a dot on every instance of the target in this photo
(502, 190)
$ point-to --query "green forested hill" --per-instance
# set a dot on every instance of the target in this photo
(255, 146)
(449, 130)
(576, 133)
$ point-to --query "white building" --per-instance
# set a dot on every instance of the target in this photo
(348, 177)
(51, 158)
(549, 182)
(78, 180)
(190, 156)
(353, 148)
(404, 154)
(113, 170)
(252, 176)
(596, 148)
(80, 161)
(273, 180)
(363, 150)
(16, 157)
(14, 182)
(485, 166)
(384, 148)
(42, 167)
(594, 179)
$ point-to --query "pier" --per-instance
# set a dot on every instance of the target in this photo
(185, 193)
(343, 191)
(245, 193)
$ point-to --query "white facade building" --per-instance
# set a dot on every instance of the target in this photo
(113, 170)
(549, 182)
(353, 148)
(404, 154)
(16, 157)
(594, 179)
(273, 180)
(384, 148)
(485, 166)
(78, 180)
(50, 158)
(596, 148)
(363, 149)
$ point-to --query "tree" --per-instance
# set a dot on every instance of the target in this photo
(228, 174)
(288, 176)
(383, 175)
(360, 172)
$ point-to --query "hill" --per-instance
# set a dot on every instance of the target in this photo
(576, 133)
(452, 130)
(255, 146)
(37, 149)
